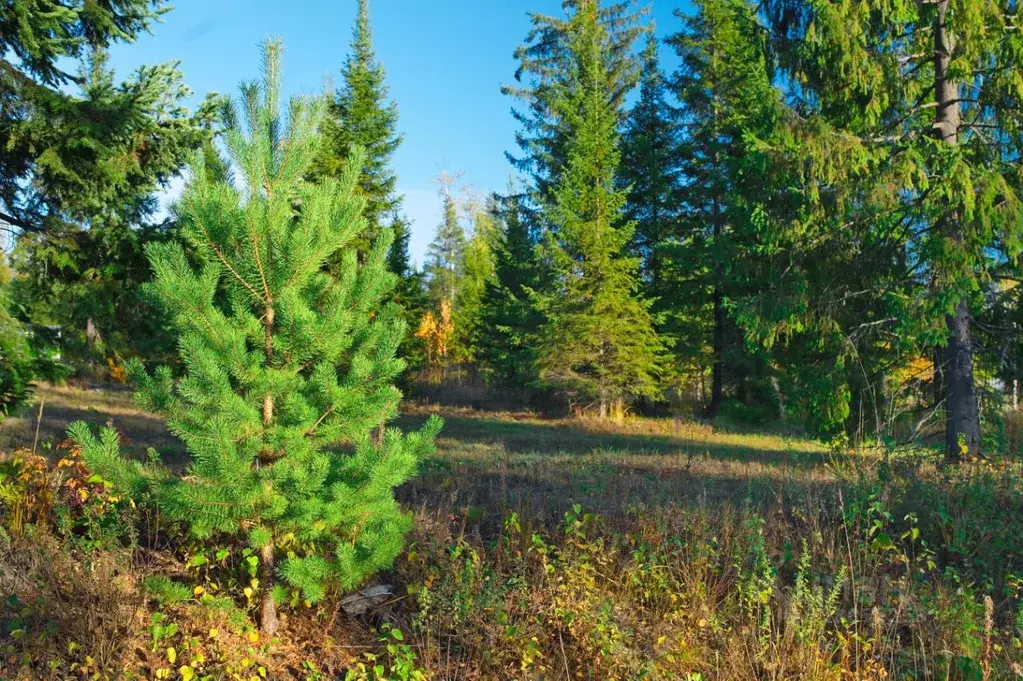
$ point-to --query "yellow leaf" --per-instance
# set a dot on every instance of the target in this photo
(172, 655)
(198, 591)
(187, 673)
(213, 633)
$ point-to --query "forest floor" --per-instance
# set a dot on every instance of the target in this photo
(554, 549)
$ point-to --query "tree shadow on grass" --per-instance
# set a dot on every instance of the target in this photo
(568, 437)
(139, 430)
(484, 499)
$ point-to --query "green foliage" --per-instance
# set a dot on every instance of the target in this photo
(477, 271)
(80, 260)
(651, 174)
(83, 157)
(598, 343)
(545, 62)
(361, 116)
(510, 320)
(446, 256)
(288, 370)
(896, 185)
(17, 365)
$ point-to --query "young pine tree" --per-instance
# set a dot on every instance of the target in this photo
(288, 370)
(599, 343)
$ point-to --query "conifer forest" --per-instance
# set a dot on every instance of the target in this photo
(722, 384)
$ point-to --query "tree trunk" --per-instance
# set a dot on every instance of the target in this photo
(91, 333)
(962, 414)
(717, 370)
(268, 615)
(717, 375)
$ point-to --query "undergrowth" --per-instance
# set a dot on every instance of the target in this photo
(896, 570)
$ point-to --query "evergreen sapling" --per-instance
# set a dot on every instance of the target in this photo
(289, 370)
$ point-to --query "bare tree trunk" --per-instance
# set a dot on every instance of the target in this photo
(268, 616)
(268, 612)
(91, 333)
(962, 414)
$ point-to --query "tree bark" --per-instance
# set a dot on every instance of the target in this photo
(962, 414)
(717, 370)
(268, 616)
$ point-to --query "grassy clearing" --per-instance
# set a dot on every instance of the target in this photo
(54, 408)
(490, 464)
(550, 549)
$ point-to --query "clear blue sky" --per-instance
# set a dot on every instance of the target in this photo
(445, 62)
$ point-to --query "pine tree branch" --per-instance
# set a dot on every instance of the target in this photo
(226, 263)
(312, 429)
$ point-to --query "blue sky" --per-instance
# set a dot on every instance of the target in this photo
(445, 62)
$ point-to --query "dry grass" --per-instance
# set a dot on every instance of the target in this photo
(494, 463)
(711, 554)
(54, 408)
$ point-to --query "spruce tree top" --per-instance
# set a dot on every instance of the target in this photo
(361, 115)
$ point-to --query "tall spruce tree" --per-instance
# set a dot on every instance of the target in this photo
(288, 370)
(599, 343)
(83, 158)
(361, 115)
(923, 100)
(723, 85)
(74, 143)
